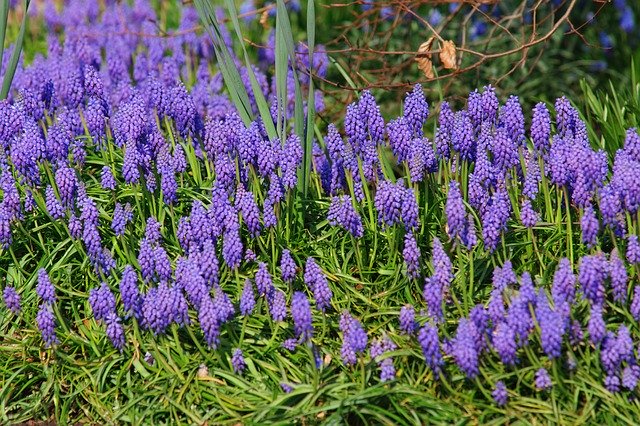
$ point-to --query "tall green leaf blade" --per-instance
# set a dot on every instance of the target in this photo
(311, 108)
(261, 102)
(4, 16)
(15, 55)
(282, 70)
(230, 73)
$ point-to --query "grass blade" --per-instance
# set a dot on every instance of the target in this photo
(17, 50)
(311, 110)
(4, 16)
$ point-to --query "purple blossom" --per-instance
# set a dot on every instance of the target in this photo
(314, 278)
(232, 245)
(455, 212)
(354, 338)
(209, 323)
(541, 128)
(47, 325)
(388, 202)
(400, 137)
(107, 180)
(532, 177)
(635, 303)
(237, 361)
(408, 324)
(54, 207)
(619, 277)
(551, 327)
(591, 276)
(528, 215)
(102, 302)
(115, 331)
(564, 283)
(633, 250)
(499, 394)
(430, 345)
(411, 255)
(287, 266)
(11, 299)
(596, 326)
(121, 216)
(342, 213)
(494, 221)
(464, 349)
(409, 209)
(590, 227)
(277, 304)
(301, 314)
(462, 136)
(45, 289)
(416, 109)
(129, 291)
(543, 380)
(504, 342)
(433, 295)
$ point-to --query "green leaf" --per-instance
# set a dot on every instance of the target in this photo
(17, 50)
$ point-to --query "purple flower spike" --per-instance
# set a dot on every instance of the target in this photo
(354, 338)
(102, 302)
(430, 344)
(317, 282)
(237, 361)
(115, 331)
(301, 314)
(543, 380)
(107, 181)
(47, 325)
(455, 212)
(342, 213)
(633, 250)
(408, 322)
(411, 254)
(590, 227)
(499, 394)
(247, 300)
(619, 277)
(45, 289)
(287, 266)
(528, 215)
(11, 299)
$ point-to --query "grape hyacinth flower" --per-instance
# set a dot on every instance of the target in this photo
(102, 302)
(342, 213)
(287, 266)
(47, 325)
(455, 212)
(237, 361)
(591, 276)
(277, 304)
(11, 299)
(354, 338)
(54, 207)
(590, 227)
(596, 326)
(107, 181)
(633, 250)
(464, 349)
(541, 128)
(314, 278)
(408, 324)
(619, 277)
(499, 394)
(411, 255)
(528, 215)
(430, 344)
(209, 322)
(301, 314)
(45, 289)
(115, 331)
(247, 299)
(564, 283)
(122, 215)
(264, 283)
(635, 303)
(543, 380)
(129, 291)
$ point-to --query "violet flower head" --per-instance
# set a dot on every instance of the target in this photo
(590, 226)
(464, 349)
(102, 302)
(287, 266)
(115, 331)
(388, 202)
(612, 383)
(107, 181)
(619, 277)
(455, 212)
(400, 137)
(45, 289)
(130, 170)
(532, 177)
(528, 215)
(290, 160)
(499, 394)
(354, 338)
(543, 380)
(277, 304)
(633, 250)
(564, 284)
(494, 221)
(237, 361)
(47, 325)
(462, 136)
(551, 327)
(504, 342)
(416, 109)
(490, 104)
(433, 296)
(635, 303)
(409, 209)
(411, 255)
(264, 283)
(247, 299)
(442, 267)
(408, 324)
(290, 344)
(67, 184)
(541, 128)
(11, 299)
(591, 276)
(232, 245)
(630, 377)
(129, 291)
(342, 213)
(246, 204)
(596, 326)
(371, 114)
(430, 345)
(314, 278)
(301, 314)
(209, 323)
(443, 133)
(54, 207)
(122, 215)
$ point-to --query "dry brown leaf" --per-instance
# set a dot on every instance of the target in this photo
(448, 55)
(424, 58)
(264, 18)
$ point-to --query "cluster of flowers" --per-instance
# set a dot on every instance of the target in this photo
(73, 105)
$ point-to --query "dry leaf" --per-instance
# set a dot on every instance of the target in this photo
(448, 55)
(264, 18)
(424, 60)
